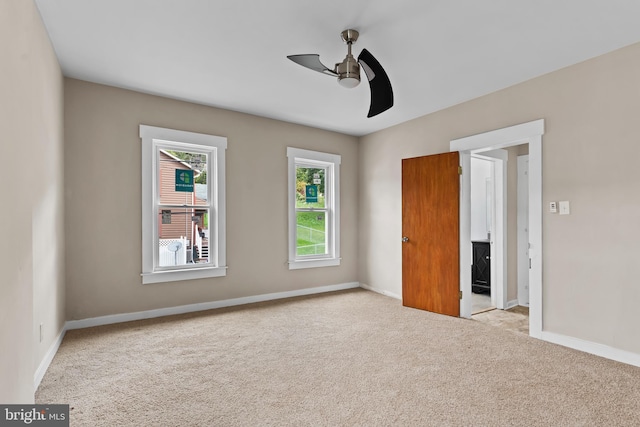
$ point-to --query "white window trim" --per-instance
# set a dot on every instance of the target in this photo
(152, 137)
(332, 188)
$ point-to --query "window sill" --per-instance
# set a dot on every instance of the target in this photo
(177, 275)
(313, 263)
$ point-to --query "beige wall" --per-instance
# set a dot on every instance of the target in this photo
(32, 249)
(103, 209)
(590, 153)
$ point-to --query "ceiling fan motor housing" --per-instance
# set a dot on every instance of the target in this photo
(348, 72)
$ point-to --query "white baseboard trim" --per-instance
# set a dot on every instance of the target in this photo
(150, 314)
(593, 348)
(380, 291)
(48, 358)
(511, 304)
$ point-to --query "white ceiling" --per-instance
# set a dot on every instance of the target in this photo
(232, 53)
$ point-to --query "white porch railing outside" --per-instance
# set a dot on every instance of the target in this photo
(167, 257)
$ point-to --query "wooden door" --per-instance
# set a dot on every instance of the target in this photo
(431, 233)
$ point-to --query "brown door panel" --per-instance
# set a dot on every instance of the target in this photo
(430, 221)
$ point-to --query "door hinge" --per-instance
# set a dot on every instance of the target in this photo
(459, 170)
(460, 295)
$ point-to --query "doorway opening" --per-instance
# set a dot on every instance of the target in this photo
(486, 143)
(484, 239)
(499, 229)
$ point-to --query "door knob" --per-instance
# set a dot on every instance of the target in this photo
(405, 239)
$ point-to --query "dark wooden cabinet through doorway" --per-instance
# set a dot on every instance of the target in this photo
(481, 268)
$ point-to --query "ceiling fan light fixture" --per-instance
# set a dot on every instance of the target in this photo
(348, 82)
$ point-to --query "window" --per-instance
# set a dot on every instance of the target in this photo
(314, 209)
(183, 205)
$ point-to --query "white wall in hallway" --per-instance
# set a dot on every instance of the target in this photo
(480, 173)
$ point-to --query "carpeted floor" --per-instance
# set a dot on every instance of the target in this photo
(351, 358)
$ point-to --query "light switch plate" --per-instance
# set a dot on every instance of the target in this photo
(564, 208)
(553, 207)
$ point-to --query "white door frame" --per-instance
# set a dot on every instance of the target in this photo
(526, 133)
(523, 227)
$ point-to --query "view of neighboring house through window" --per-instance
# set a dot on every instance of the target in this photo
(183, 205)
(313, 209)
(183, 208)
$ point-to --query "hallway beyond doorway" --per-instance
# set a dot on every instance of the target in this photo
(515, 319)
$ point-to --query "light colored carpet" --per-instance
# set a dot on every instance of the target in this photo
(351, 358)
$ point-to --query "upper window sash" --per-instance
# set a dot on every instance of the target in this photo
(210, 170)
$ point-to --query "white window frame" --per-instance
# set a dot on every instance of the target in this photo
(331, 162)
(154, 138)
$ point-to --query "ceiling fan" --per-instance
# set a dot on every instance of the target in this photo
(348, 73)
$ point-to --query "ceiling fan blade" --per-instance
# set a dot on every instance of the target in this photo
(312, 61)
(381, 92)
